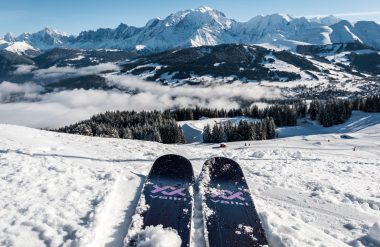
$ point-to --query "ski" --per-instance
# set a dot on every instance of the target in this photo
(229, 213)
(167, 198)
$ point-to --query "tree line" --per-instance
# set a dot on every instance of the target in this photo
(264, 129)
(161, 126)
(148, 126)
(337, 111)
(367, 104)
(283, 115)
(330, 112)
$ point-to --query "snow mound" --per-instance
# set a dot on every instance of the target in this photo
(296, 155)
(259, 154)
(156, 236)
(374, 232)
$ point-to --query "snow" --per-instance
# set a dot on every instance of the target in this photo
(157, 236)
(281, 65)
(309, 190)
(358, 121)
(207, 26)
(140, 47)
(343, 32)
(19, 47)
(78, 58)
(374, 232)
(3, 42)
(193, 130)
(327, 20)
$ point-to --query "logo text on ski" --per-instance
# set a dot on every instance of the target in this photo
(168, 192)
(228, 197)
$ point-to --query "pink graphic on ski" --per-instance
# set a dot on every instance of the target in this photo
(232, 195)
(163, 190)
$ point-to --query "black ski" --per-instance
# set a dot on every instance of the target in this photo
(229, 212)
(168, 194)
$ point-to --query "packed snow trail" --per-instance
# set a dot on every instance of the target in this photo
(69, 190)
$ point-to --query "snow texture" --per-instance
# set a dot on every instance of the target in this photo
(374, 232)
(157, 236)
(314, 189)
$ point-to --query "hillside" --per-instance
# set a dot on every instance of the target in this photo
(316, 71)
(69, 190)
(305, 127)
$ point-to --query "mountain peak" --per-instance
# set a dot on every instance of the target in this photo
(209, 11)
(326, 20)
(9, 37)
(204, 8)
(52, 32)
(207, 26)
(285, 17)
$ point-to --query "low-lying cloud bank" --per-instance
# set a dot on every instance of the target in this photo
(66, 107)
(57, 73)
(11, 91)
(250, 91)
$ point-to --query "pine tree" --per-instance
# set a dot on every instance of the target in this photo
(271, 128)
(222, 135)
(207, 134)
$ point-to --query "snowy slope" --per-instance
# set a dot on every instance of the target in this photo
(45, 39)
(360, 121)
(21, 48)
(68, 190)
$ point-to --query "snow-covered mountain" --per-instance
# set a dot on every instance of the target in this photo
(9, 37)
(206, 26)
(46, 39)
(202, 26)
(327, 20)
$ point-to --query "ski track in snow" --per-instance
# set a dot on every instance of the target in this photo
(68, 190)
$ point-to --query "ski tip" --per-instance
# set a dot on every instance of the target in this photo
(171, 157)
(173, 166)
(223, 167)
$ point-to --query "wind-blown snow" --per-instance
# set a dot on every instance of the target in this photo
(68, 190)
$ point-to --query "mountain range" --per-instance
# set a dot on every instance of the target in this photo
(200, 27)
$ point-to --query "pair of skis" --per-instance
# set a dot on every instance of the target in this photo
(229, 214)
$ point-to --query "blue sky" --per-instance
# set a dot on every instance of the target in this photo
(73, 16)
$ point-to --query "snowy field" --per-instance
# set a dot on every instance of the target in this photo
(67, 190)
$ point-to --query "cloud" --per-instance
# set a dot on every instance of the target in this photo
(248, 91)
(11, 91)
(353, 16)
(369, 13)
(66, 107)
(57, 73)
(24, 69)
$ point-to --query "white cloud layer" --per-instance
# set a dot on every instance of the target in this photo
(55, 73)
(9, 91)
(24, 69)
(66, 107)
